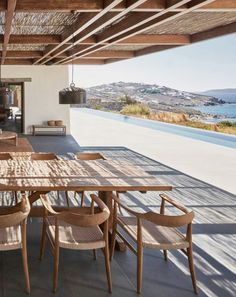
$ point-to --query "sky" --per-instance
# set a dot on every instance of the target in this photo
(201, 66)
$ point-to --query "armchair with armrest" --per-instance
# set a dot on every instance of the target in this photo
(157, 231)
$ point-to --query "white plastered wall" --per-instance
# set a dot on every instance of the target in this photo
(42, 93)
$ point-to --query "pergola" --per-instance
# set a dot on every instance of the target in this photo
(58, 32)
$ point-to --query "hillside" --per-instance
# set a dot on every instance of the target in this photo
(228, 95)
(150, 94)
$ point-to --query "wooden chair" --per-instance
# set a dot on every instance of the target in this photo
(7, 156)
(48, 157)
(86, 157)
(77, 230)
(13, 233)
(43, 156)
(156, 231)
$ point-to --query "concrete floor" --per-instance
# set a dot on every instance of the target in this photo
(214, 238)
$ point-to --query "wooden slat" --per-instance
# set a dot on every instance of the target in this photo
(11, 4)
(132, 26)
(81, 25)
(103, 22)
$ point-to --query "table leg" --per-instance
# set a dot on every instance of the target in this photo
(16, 141)
(107, 199)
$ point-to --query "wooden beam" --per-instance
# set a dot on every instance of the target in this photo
(103, 22)
(98, 5)
(88, 62)
(34, 39)
(219, 6)
(105, 54)
(28, 54)
(153, 39)
(23, 54)
(11, 4)
(80, 5)
(18, 62)
(154, 49)
(216, 32)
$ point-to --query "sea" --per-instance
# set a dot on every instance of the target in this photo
(228, 110)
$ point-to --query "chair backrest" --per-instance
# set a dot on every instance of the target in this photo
(86, 218)
(5, 156)
(162, 219)
(168, 220)
(15, 218)
(89, 156)
(43, 156)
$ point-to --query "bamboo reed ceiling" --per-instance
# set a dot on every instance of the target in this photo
(99, 32)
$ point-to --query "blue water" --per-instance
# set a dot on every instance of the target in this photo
(199, 134)
(228, 110)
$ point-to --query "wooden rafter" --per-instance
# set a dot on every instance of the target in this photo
(133, 20)
(131, 27)
(107, 31)
(11, 4)
(100, 23)
(77, 28)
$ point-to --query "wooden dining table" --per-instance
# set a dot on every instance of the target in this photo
(105, 176)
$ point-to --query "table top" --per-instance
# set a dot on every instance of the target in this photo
(8, 135)
(100, 175)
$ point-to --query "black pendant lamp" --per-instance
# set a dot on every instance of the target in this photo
(72, 94)
(6, 94)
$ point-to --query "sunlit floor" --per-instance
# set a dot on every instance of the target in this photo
(213, 236)
(212, 163)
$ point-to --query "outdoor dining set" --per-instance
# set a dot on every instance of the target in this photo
(100, 220)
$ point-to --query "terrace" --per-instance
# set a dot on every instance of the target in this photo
(39, 40)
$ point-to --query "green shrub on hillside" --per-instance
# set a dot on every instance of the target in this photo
(138, 109)
(127, 100)
(227, 124)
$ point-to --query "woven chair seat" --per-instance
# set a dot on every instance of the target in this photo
(74, 237)
(154, 236)
(10, 238)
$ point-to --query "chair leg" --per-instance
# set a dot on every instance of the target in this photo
(165, 255)
(25, 262)
(108, 269)
(112, 244)
(67, 199)
(82, 199)
(43, 240)
(94, 255)
(191, 268)
(139, 266)
(55, 267)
